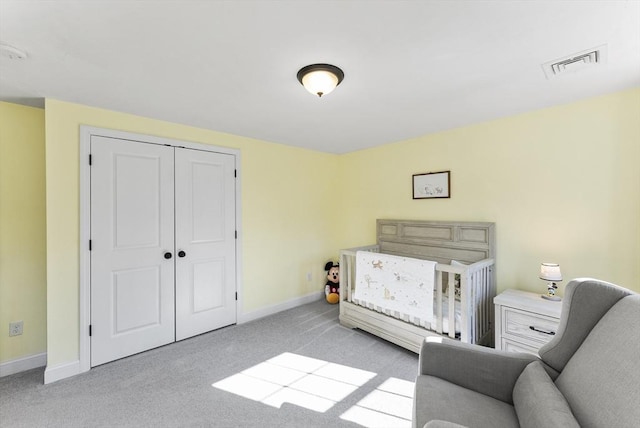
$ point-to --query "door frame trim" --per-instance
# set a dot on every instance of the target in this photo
(86, 132)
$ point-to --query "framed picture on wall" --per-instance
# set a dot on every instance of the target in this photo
(432, 185)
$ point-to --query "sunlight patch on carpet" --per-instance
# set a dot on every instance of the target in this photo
(318, 385)
(390, 405)
(290, 378)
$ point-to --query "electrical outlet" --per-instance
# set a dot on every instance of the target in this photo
(15, 328)
(309, 276)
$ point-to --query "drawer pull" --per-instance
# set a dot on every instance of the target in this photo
(550, 333)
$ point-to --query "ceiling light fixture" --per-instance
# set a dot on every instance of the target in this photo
(320, 79)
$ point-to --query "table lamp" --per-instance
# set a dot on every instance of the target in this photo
(551, 272)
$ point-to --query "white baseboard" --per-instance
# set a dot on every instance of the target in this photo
(61, 371)
(274, 309)
(22, 364)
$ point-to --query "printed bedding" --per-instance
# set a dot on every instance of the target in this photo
(402, 287)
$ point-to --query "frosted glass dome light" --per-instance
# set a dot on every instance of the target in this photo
(320, 79)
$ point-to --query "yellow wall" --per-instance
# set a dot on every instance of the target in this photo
(562, 185)
(286, 221)
(22, 231)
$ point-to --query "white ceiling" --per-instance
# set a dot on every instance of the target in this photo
(411, 67)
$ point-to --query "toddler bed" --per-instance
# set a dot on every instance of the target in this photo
(422, 278)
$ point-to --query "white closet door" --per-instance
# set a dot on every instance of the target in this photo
(205, 241)
(132, 222)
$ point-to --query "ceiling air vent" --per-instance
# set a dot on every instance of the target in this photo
(577, 62)
(10, 52)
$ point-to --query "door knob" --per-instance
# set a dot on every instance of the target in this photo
(167, 255)
(181, 253)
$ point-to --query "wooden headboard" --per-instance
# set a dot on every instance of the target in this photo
(440, 241)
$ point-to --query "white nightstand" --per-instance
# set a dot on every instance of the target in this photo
(525, 321)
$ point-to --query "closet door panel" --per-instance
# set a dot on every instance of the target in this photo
(132, 221)
(206, 273)
(205, 241)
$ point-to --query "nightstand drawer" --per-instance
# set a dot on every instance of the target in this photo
(525, 321)
(528, 325)
(513, 346)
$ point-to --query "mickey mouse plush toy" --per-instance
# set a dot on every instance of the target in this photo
(332, 288)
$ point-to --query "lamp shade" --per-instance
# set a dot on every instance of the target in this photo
(320, 79)
(550, 272)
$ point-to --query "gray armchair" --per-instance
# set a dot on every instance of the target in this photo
(588, 375)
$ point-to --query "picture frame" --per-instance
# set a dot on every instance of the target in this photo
(432, 185)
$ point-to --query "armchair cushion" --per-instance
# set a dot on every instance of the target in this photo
(445, 401)
(538, 401)
(480, 369)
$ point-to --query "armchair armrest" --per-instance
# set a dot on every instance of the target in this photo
(484, 370)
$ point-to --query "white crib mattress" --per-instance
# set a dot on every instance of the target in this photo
(445, 314)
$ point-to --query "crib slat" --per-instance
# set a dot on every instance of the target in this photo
(478, 307)
(464, 297)
(485, 301)
(488, 301)
(482, 313)
(451, 289)
(471, 301)
(439, 302)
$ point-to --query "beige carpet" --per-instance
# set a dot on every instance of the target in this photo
(298, 368)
